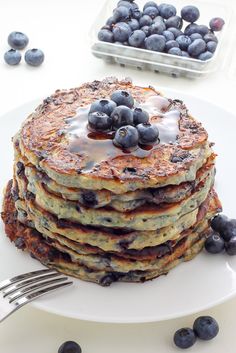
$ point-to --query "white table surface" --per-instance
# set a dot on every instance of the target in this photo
(60, 28)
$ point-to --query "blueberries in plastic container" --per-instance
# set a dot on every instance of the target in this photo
(175, 51)
(18, 40)
(210, 37)
(157, 28)
(121, 13)
(211, 46)
(195, 36)
(183, 41)
(136, 39)
(127, 4)
(121, 97)
(190, 13)
(140, 116)
(168, 35)
(167, 10)
(214, 244)
(205, 327)
(136, 13)
(133, 23)
(171, 44)
(110, 21)
(121, 31)
(197, 47)
(99, 121)
(148, 133)
(146, 30)
(150, 3)
(34, 57)
(202, 29)
(126, 137)
(216, 24)
(184, 338)
(151, 11)
(175, 31)
(105, 35)
(174, 21)
(155, 42)
(185, 54)
(145, 20)
(103, 105)
(205, 56)
(12, 57)
(191, 29)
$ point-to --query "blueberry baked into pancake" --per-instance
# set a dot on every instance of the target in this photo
(112, 182)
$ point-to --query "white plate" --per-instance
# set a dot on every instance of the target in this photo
(191, 287)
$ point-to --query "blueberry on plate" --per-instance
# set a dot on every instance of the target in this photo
(219, 222)
(103, 105)
(126, 137)
(18, 40)
(229, 230)
(190, 13)
(171, 44)
(121, 31)
(12, 57)
(167, 10)
(140, 116)
(155, 42)
(195, 36)
(148, 133)
(197, 47)
(205, 56)
(151, 11)
(70, 347)
(157, 28)
(99, 121)
(175, 51)
(105, 35)
(216, 24)
(174, 21)
(145, 20)
(34, 57)
(150, 3)
(121, 13)
(136, 39)
(214, 244)
(122, 97)
(230, 246)
(176, 32)
(168, 35)
(183, 41)
(205, 327)
(210, 37)
(133, 23)
(184, 338)
(121, 116)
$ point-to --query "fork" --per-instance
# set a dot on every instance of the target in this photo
(22, 289)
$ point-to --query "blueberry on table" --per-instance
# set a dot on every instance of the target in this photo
(18, 40)
(103, 105)
(174, 21)
(145, 20)
(140, 116)
(150, 3)
(216, 24)
(197, 47)
(183, 41)
(121, 116)
(70, 347)
(136, 39)
(229, 230)
(121, 31)
(175, 51)
(105, 35)
(151, 11)
(167, 10)
(190, 13)
(122, 97)
(205, 327)
(133, 23)
(176, 32)
(155, 42)
(219, 222)
(171, 44)
(214, 244)
(148, 133)
(168, 35)
(230, 246)
(34, 57)
(195, 36)
(99, 121)
(12, 57)
(121, 13)
(126, 137)
(184, 338)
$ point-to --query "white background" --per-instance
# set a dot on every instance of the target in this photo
(60, 28)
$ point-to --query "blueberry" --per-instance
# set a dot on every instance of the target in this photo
(210, 37)
(136, 13)
(202, 29)
(230, 246)
(190, 13)
(105, 35)
(145, 21)
(228, 231)
(174, 21)
(155, 42)
(121, 31)
(70, 347)
(171, 44)
(219, 222)
(126, 137)
(103, 105)
(191, 29)
(133, 23)
(140, 116)
(205, 327)
(99, 121)
(122, 116)
(18, 40)
(125, 3)
(151, 11)
(195, 36)
(185, 54)
(148, 133)
(150, 3)
(146, 30)
(110, 21)
(205, 56)
(34, 57)
(211, 46)
(176, 32)
(184, 338)
(12, 57)
(216, 24)
(157, 28)
(167, 10)
(136, 39)
(121, 13)
(184, 42)
(168, 35)
(175, 51)
(121, 97)
(214, 244)
(197, 47)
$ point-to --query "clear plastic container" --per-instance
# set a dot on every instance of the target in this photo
(143, 59)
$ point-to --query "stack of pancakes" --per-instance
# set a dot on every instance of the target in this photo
(101, 214)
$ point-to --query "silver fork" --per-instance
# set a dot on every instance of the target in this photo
(22, 289)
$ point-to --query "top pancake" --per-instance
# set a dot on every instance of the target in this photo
(43, 142)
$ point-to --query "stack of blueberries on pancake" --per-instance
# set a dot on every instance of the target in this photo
(112, 182)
